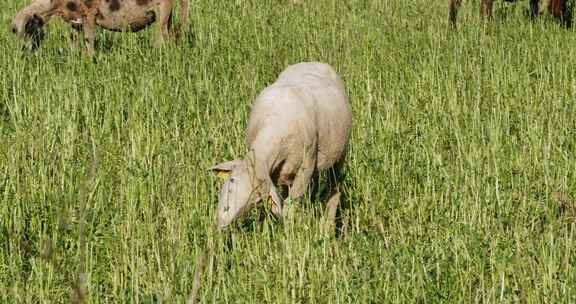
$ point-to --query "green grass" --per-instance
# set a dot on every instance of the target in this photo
(460, 182)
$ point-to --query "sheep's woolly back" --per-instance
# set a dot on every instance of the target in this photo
(309, 74)
(305, 108)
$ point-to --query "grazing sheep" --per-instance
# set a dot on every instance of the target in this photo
(556, 8)
(298, 126)
(84, 15)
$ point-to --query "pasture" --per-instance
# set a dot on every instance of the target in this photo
(460, 179)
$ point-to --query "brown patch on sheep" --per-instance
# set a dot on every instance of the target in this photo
(142, 24)
(115, 5)
(72, 6)
(143, 2)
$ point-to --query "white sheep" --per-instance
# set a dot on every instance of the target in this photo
(298, 126)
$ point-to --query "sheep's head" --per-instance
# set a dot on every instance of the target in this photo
(28, 24)
(29, 28)
(241, 191)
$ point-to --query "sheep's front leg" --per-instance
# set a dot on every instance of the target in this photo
(165, 13)
(90, 33)
(301, 181)
(299, 185)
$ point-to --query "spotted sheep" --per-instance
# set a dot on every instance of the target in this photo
(556, 8)
(298, 126)
(85, 15)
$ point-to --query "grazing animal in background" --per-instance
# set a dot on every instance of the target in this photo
(85, 15)
(556, 8)
(298, 126)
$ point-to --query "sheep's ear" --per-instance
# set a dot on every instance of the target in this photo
(223, 170)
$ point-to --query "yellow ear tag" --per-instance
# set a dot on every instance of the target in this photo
(223, 174)
(270, 202)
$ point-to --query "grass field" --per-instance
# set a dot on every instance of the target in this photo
(460, 185)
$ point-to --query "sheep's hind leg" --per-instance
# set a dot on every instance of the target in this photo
(164, 12)
(335, 175)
